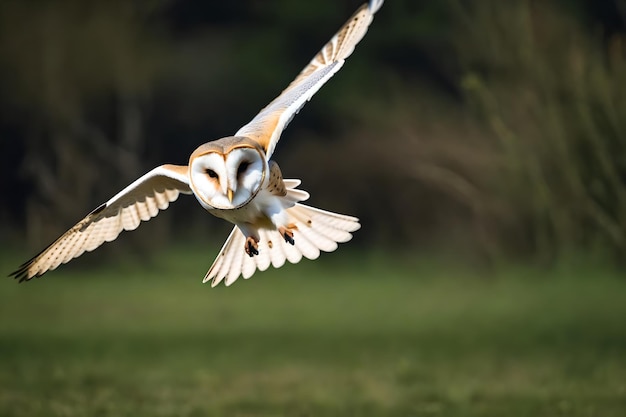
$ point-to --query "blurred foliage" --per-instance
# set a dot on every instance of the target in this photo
(486, 129)
(555, 100)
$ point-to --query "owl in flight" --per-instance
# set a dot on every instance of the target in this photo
(232, 178)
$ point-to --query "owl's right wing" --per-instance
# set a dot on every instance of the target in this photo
(268, 125)
(141, 200)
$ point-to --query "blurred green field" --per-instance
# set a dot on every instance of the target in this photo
(350, 335)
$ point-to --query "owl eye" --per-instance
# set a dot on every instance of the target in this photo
(242, 167)
(211, 173)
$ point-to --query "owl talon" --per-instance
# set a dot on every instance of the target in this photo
(251, 247)
(287, 235)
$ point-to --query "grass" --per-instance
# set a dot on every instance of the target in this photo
(349, 335)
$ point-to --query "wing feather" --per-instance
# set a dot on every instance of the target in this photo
(140, 201)
(304, 245)
(268, 125)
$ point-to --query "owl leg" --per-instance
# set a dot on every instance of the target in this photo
(286, 234)
(279, 217)
(252, 246)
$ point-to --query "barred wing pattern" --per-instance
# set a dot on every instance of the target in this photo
(140, 201)
(268, 125)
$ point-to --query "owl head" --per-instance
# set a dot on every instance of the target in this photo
(227, 173)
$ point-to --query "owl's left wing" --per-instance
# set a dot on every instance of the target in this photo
(141, 200)
(267, 126)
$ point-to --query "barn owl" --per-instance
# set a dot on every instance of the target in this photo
(232, 178)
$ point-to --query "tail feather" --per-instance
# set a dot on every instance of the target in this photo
(307, 248)
(276, 252)
(314, 230)
(293, 194)
(312, 233)
(317, 238)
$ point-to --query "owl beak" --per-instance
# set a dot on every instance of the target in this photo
(229, 193)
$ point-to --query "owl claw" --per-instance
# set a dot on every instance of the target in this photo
(287, 235)
(251, 247)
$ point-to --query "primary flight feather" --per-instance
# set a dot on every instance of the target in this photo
(232, 178)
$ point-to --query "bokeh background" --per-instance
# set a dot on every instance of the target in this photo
(481, 142)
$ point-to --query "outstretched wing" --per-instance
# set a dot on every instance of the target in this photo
(141, 200)
(267, 126)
